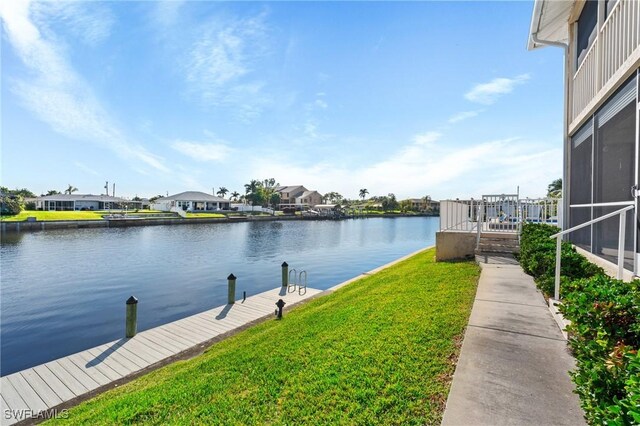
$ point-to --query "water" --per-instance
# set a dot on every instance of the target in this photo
(64, 291)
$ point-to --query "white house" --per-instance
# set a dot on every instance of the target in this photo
(601, 43)
(84, 202)
(192, 201)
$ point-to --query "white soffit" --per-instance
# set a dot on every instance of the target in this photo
(550, 21)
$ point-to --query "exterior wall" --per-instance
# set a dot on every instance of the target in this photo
(311, 199)
(455, 245)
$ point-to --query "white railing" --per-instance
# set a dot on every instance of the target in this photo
(620, 36)
(542, 210)
(458, 215)
(585, 80)
(615, 43)
(621, 239)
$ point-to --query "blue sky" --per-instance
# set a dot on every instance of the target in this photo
(416, 98)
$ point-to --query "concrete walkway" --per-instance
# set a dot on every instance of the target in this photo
(514, 363)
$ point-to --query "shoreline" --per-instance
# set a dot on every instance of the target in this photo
(7, 227)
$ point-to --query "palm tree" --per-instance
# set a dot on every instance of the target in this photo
(222, 191)
(235, 195)
(70, 190)
(363, 193)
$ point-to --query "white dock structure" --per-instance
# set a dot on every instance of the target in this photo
(40, 390)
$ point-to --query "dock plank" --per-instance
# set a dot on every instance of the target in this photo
(8, 415)
(171, 346)
(41, 388)
(168, 338)
(61, 389)
(78, 374)
(88, 359)
(12, 397)
(26, 392)
(93, 372)
(67, 378)
(151, 345)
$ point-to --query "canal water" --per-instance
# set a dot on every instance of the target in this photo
(64, 291)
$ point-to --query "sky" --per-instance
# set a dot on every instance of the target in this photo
(411, 98)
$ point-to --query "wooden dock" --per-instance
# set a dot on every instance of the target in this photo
(45, 388)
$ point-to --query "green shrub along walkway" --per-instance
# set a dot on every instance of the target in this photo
(604, 331)
(380, 350)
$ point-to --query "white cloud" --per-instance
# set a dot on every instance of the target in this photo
(89, 24)
(86, 168)
(202, 151)
(321, 104)
(442, 171)
(488, 93)
(426, 139)
(220, 64)
(461, 116)
(57, 94)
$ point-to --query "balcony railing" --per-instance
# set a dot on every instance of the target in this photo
(617, 41)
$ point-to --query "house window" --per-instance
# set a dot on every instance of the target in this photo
(586, 26)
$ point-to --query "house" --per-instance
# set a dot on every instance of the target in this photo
(601, 43)
(298, 197)
(192, 201)
(425, 204)
(84, 202)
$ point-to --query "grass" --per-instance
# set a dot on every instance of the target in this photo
(380, 350)
(53, 215)
(203, 215)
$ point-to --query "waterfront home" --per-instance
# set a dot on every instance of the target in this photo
(298, 197)
(192, 201)
(61, 202)
(425, 204)
(601, 43)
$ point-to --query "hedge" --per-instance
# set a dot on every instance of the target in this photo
(604, 331)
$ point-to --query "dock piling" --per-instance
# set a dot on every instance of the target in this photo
(131, 327)
(232, 289)
(285, 274)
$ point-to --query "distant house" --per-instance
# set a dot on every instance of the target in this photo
(84, 202)
(424, 205)
(192, 201)
(298, 197)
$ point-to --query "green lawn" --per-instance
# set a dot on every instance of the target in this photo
(53, 215)
(203, 215)
(378, 351)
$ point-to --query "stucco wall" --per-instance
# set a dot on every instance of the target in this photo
(455, 245)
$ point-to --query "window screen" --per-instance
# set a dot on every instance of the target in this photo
(580, 184)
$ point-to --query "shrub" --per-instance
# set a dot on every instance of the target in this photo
(11, 204)
(538, 258)
(605, 337)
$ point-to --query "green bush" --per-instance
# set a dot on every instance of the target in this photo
(538, 258)
(605, 337)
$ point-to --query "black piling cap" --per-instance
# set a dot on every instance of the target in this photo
(280, 303)
(285, 264)
(231, 277)
(132, 301)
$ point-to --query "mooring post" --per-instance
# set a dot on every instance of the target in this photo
(132, 317)
(280, 304)
(285, 274)
(232, 289)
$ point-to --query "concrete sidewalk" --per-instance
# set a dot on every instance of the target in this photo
(514, 363)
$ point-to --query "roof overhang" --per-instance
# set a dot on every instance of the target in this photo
(550, 22)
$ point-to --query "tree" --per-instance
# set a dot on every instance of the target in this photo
(11, 204)
(52, 192)
(554, 190)
(405, 206)
(363, 193)
(70, 190)
(235, 195)
(389, 202)
(269, 188)
(332, 198)
(153, 199)
(222, 191)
